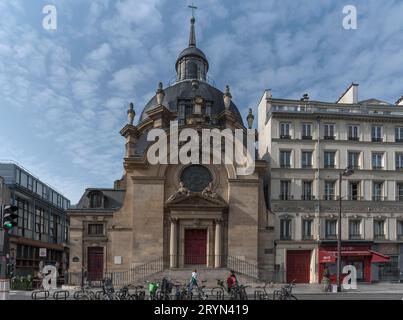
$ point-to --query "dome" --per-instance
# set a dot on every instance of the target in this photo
(183, 91)
(192, 52)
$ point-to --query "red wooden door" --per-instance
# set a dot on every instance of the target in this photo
(298, 265)
(95, 263)
(195, 246)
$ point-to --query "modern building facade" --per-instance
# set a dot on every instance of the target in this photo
(184, 215)
(42, 221)
(308, 144)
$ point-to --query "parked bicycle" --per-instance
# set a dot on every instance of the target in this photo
(285, 293)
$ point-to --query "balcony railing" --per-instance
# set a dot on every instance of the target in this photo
(375, 139)
(379, 198)
(285, 237)
(306, 137)
(355, 236)
(284, 165)
(329, 197)
(355, 198)
(307, 197)
(398, 140)
(286, 197)
(375, 167)
(399, 198)
(285, 136)
(307, 237)
(307, 166)
(329, 166)
(352, 138)
(400, 236)
(379, 236)
(329, 137)
(331, 236)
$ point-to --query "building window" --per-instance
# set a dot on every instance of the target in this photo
(376, 133)
(379, 229)
(353, 159)
(307, 190)
(329, 159)
(354, 190)
(353, 132)
(377, 191)
(399, 191)
(399, 161)
(399, 134)
(331, 229)
(307, 229)
(96, 200)
(307, 131)
(377, 160)
(285, 229)
(285, 159)
(400, 229)
(354, 229)
(328, 131)
(95, 229)
(306, 161)
(285, 189)
(41, 223)
(285, 131)
(329, 190)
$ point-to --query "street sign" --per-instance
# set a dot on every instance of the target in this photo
(42, 252)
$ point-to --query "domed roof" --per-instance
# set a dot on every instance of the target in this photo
(184, 90)
(192, 52)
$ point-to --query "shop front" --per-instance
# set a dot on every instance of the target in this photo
(361, 256)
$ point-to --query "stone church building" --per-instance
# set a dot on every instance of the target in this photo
(183, 216)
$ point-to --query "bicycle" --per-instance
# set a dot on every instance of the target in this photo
(219, 292)
(85, 293)
(262, 292)
(285, 293)
(200, 292)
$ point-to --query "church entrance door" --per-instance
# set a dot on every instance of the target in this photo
(95, 263)
(195, 246)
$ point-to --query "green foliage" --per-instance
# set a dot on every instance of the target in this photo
(21, 283)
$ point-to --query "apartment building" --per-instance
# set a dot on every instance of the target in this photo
(309, 144)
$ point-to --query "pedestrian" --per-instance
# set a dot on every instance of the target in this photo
(193, 281)
(232, 281)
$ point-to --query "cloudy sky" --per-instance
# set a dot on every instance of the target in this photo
(64, 92)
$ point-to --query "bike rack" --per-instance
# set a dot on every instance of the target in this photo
(34, 295)
(61, 295)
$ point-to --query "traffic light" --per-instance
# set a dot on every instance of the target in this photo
(9, 217)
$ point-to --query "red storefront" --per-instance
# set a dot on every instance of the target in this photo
(359, 255)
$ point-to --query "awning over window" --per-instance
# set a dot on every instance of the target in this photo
(379, 257)
(331, 256)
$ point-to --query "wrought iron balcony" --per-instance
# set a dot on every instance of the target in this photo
(307, 197)
(307, 237)
(375, 139)
(306, 137)
(329, 137)
(377, 167)
(285, 136)
(352, 138)
(355, 236)
(331, 237)
(378, 198)
(329, 166)
(379, 237)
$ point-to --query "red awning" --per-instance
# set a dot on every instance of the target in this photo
(331, 256)
(379, 257)
(327, 256)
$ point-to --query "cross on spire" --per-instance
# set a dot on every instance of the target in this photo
(193, 7)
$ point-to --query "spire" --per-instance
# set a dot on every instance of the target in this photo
(192, 35)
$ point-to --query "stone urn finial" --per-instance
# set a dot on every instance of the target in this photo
(131, 113)
(227, 98)
(160, 94)
(250, 117)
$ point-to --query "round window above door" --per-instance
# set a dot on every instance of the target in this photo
(196, 177)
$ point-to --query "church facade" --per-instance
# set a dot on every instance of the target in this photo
(183, 215)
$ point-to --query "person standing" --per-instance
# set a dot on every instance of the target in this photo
(193, 281)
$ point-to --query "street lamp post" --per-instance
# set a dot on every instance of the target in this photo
(346, 172)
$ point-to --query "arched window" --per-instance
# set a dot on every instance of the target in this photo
(191, 70)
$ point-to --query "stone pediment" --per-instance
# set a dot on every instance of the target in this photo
(197, 200)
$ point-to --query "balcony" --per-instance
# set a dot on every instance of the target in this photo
(400, 237)
(329, 166)
(329, 197)
(331, 237)
(377, 167)
(307, 197)
(355, 237)
(374, 139)
(355, 198)
(286, 197)
(285, 136)
(306, 137)
(307, 166)
(354, 166)
(329, 137)
(354, 138)
(284, 165)
(379, 237)
(399, 198)
(398, 140)
(285, 237)
(307, 237)
(379, 198)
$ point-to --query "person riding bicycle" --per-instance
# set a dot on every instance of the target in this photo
(193, 281)
(232, 281)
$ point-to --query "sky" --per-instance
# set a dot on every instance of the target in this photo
(64, 93)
